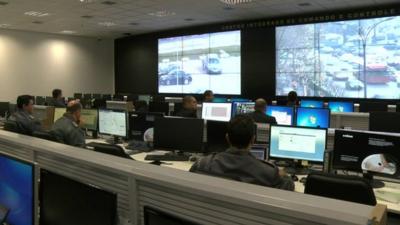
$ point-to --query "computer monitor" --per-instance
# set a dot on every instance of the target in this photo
(341, 106)
(384, 121)
(284, 115)
(142, 125)
(89, 118)
(297, 143)
(311, 104)
(175, 133)
(313, 117)
(87, 96)
(373, 107)
(367, 151)
(242, 108)
(216, 111)
(145, 98)
(154, 216)
(162, 107)
(40, 100)
(4, 109)
(58, 113)
(239, 100)
(216, 136)
(78, 96)
(17, 190)
(96, 96)
(45, 114)
(258, 152)
(113, 123)
(66, 201)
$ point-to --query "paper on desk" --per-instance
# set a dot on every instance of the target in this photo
(158, 152)
(388, 196)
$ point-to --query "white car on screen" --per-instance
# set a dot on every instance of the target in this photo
(212, 64)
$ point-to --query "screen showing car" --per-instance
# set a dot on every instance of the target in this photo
(352, 59)
(196, 63)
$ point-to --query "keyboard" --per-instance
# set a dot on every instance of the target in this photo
(167, 157)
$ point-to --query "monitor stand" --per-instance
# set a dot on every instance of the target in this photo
(91, 134)
(374, 183)
(114, 140)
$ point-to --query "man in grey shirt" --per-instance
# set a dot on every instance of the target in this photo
(66, 129)
(237, 163)
(23, 119)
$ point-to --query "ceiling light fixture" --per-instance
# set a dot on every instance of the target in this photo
(68, 32)
(3, 3)
(235, 2)
(107, 24)
(4, 25)
(36, 14)
(162, 13)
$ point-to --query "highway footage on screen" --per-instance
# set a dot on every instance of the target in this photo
(193, 64)
(354, 59)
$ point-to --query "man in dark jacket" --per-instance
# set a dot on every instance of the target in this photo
(23, 119)
(237, 163)
(189, 107)
(57, 100)
(259, 115)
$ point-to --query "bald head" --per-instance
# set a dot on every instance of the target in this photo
(260, 105)
(189, 102)
(74, 106)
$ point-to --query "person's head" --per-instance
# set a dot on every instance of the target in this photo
(74, 108)
(25, 102)
(208, 96)
(241, 132)
(57, 93)
(292, 96)
(189, 102)
(260, 105)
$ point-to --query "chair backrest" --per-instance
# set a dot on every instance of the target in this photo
(110, 149)
(12, 126)
(342, 187)
(45, 135)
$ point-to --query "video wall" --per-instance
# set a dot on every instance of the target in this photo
(195, 63)
(351, 59)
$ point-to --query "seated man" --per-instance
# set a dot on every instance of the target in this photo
(189, 107)
(237, 163)
(24, 121)
(57, 100)
(259, 115)
(66, 129)
(292, 98)
(208, 96)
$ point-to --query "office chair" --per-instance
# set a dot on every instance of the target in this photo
(45, 135)
(342, 187)
(12, 126)
(110, 149)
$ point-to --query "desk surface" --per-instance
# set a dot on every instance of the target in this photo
(388, 195)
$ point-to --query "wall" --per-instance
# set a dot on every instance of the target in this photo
(35, 63)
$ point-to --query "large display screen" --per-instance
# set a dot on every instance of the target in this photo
(354, 59)
(16, 190)
(196, 63)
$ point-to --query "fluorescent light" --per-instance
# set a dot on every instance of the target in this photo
(162, 13)
(235, 2)
(68, 32)
(4, 25)
(37, 14)
(107, 24)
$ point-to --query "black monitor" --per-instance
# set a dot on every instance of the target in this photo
(384, 121)
(373, 107)
(140, 125)
(154, 216)
(40, 100)
(78, 96)
(175, 133)
(13, 108)
(367, 151)
(216, 136)
(17, 190)
(162, 107)
(96, 96)
(90, 119)
(87, 96)
(107, 97)
(177, 107)
(64, 201)
(48, 99)
(4, 109)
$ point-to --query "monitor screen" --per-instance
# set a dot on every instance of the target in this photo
(284, 115)
(313, 117)
(367, 151)
(216, 136)
(58, 113)
(175, 133)
(142, 124)
(346, 59)
(242, 108)
(4, 108)
(113, 123)
(239, 100)
(341, 106)
(216, 111)
(297, 143)
(89, 118)
(64, 201)
(17, 190)
(384, 121)
(196, 63)
(312, 104)
(258, 152)
(154, 216)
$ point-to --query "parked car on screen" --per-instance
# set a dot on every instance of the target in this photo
(354, 84)
(175, 77)
(212, 64)
(168, 68)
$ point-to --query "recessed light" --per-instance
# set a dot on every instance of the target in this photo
(162, 13)
(304, 4)
(36, 14)
(235, 2)
(68, 32)
(4, 25)
(108, 3)
(37, 22)
(107, 24)
(3, 3)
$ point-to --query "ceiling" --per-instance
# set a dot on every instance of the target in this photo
(144, 16)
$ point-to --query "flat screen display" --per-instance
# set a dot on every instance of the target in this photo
(89, 118)
(352, 59)
(17, 190)
(239, 108)
(313, 117)
(216, 111)
(284, 115)
(196, 63)
(297, 143)
(341, 106)
(312, 104)
(113, 123)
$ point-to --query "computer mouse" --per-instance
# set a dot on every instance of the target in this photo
(294, 178)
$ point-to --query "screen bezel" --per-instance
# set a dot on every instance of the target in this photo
(292, 159)
(126, 122)
(306, 108)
